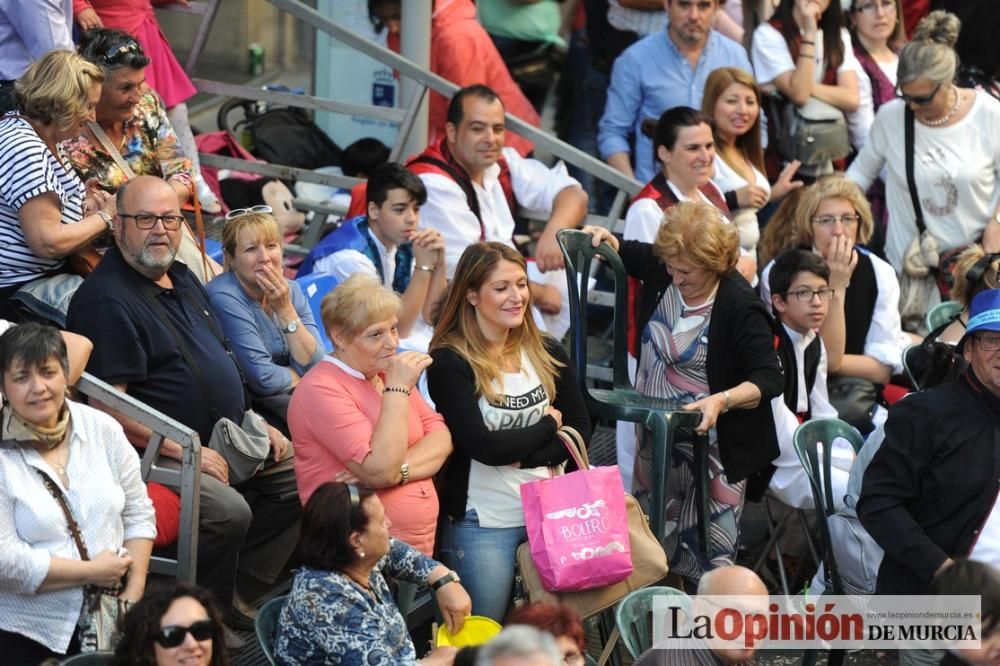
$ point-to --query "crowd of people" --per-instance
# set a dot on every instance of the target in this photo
(818, 175)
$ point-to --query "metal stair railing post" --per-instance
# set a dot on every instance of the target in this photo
(186, 480)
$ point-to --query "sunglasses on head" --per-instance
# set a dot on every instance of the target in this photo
(240, 212)
(919, 100)
(115, 52)
(174, 635)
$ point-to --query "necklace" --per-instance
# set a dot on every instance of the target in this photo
(946, 117)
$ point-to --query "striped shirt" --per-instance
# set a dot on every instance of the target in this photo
(29, 169)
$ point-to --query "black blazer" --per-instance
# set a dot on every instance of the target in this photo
(932, 483)
(740, 348)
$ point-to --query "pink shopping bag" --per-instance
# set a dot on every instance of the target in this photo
(578, 528)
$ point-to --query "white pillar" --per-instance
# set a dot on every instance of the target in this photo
(416, 46)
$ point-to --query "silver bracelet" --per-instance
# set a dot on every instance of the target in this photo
(429, 269)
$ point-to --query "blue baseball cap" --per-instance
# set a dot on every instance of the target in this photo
(984, 314)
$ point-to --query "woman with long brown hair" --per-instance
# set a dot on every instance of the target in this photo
(504, 389)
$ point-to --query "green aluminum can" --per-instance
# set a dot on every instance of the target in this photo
(256, 52)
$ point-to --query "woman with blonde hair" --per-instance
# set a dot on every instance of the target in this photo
(504, 389)
(355, 415)
(862, 332)
(732, 101)
(955, 162)
(265, 316)
(706, 344)
(46, 211)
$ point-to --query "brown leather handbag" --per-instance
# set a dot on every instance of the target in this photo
(649, 561)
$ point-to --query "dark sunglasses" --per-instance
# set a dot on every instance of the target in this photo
(118, 50)
(919, 100)
(174, 635)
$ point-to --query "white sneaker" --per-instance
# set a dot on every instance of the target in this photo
(209, 202)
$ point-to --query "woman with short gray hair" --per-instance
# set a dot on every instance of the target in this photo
(955, 157)
(520, 644)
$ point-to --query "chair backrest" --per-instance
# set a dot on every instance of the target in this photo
(579, 252)
(266, 625)
(90, 659)
(633, 616)
(315, 286)
(910, 359)
(186, 481)
(214, 249)
(808, 438)
(942, 313)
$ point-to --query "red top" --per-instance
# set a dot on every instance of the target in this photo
(463, 53)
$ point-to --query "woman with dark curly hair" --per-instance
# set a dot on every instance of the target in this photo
(173, 625)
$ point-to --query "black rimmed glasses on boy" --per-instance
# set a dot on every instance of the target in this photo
(146, 221)
(173, 635)
(918, 100)
(240, 212)
(805, 295)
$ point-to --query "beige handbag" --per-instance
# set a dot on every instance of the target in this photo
(649, 561)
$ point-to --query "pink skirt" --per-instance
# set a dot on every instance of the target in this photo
(164, 74)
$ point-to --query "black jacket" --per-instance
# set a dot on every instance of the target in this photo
(452, 386)
(740, 348)
(931, 485)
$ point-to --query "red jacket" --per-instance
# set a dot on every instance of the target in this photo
(463, 53)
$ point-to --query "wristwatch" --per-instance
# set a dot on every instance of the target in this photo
(108, 220)
(450, 577)
(291, 326)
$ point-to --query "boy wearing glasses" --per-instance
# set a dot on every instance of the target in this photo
(800, 299)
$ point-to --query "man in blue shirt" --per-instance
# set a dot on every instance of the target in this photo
(29, 30)
(659, 72)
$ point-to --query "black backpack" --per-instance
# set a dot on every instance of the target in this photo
(287, 136)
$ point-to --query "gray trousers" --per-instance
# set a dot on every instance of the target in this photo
(254, 528)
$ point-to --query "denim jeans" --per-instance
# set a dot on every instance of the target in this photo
(484, 559)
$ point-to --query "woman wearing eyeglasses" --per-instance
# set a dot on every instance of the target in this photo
(173, 626)
(265, 316)
(956, 162)
(131, 135)
(46, 212)
(340, 609)
(862, 332)
(877, 34)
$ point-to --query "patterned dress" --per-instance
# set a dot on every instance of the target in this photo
(150, 147)
(330, 619)
(673, 366)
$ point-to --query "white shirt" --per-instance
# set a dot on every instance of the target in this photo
(789, 482)
(640, 21)
(535, 187)
(645, 216)
(345, 263)
(956, 168)
(860, 122)
(495, 492)
(107, 498)
(729, 180)
(885, 341)
(771, 57)
(986, 549)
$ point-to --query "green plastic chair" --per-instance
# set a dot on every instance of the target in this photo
(942, 313)
(622, 402)
(266, 625)
(633, 616)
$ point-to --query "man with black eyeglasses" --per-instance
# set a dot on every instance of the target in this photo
(140, 307)
(930, 492)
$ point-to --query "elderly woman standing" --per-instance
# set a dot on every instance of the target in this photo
(706, 344)
(265, 316)
(54, 449)
(956, 157)
(340, 610)
(46, 212)
(356, 412)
